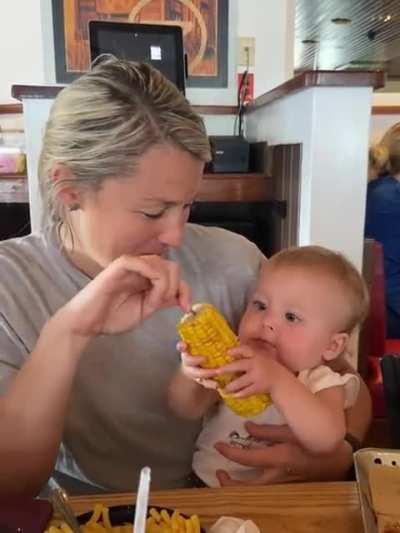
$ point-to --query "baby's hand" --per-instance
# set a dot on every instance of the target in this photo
(192, 370)
(258, 372)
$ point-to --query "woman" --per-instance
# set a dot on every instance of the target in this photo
(382, 223)
(378, 161)
(89, 307)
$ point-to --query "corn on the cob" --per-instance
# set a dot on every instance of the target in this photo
(207, 333)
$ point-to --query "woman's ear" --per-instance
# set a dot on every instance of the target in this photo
(337, 345)
(67, 192)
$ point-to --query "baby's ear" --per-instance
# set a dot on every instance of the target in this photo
(336, 346)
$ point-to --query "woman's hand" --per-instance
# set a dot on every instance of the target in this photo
(283, 460)
(192, 370)
(124, 294)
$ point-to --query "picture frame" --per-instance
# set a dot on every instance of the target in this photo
(205, 33)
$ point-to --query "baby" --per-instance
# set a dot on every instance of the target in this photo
(306, 303)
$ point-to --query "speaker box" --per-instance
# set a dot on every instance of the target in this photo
(230, 153)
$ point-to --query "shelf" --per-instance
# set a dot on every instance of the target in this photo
(13, 176)
(10, 109)
(14, 190)
(251, 187)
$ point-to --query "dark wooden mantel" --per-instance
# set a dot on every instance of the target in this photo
(305, 80)
(51, 91)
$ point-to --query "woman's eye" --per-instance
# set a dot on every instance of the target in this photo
(260, 306)
(291, 317)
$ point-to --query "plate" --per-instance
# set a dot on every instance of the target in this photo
(120, 514)
(364, 460)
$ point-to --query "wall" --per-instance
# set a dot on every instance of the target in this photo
(27, 48)
(381, 123)
(21, 45)
(333, 126)
(271, 22)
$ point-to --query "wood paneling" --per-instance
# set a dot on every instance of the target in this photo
(235, 188)
(286, 170)
(10, 109)
(214, 188)
(386, 110)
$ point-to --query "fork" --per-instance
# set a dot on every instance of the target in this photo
(61, 505)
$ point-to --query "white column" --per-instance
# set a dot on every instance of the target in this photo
(332, 124)
(36, 112)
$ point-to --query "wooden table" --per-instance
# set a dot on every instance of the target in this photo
(291, 508)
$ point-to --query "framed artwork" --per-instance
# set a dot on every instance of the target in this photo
(204, 24)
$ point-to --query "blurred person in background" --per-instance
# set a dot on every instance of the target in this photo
(382, 222)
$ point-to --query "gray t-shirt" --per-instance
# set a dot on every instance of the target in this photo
(118, 420)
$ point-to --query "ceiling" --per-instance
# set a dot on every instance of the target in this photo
(370, 40)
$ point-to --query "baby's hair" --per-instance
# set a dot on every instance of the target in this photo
(335, 265)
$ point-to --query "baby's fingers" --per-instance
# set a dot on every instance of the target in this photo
(237, 366)
(191, 360)
(207, 383)
(239, 385)
(240, 352)
(182, 346)
(195, 372)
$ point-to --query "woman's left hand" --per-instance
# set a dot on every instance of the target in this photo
(284, 460)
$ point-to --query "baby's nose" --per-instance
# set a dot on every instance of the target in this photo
(269, 325)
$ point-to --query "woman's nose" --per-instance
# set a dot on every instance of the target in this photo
(172, 232)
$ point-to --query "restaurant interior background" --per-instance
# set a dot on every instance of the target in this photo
(287, 37)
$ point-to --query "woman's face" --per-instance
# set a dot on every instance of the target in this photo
(141, 214)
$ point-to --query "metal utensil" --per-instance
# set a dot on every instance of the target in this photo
(61, 505)
(142, 500)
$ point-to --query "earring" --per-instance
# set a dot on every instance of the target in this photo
(74, 207)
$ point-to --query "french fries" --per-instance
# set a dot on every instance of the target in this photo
(157, 522)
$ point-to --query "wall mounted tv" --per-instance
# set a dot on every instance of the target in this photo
(160, 45)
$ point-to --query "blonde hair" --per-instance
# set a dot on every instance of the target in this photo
(335, 265)
(391, 140)
(379, 158)
(102, 124)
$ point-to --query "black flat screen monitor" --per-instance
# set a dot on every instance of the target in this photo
(160, 45)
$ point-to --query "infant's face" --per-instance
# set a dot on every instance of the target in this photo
(293, 316)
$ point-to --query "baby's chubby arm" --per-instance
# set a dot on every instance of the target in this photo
(317, 420)
(192, 390)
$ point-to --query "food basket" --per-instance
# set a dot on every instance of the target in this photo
(364, 460)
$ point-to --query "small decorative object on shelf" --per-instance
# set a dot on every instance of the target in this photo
(12, 161)
(14, 190)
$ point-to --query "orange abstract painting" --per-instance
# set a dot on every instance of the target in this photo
(202, 23)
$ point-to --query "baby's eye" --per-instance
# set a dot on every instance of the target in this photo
(291, 317)
(260, 306)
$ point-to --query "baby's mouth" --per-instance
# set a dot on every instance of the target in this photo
(267, 347)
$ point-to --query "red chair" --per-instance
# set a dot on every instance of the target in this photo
(373, 342)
